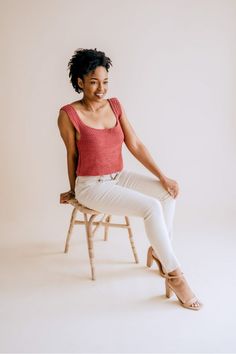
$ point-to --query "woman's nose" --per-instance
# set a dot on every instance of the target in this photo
(100, 86)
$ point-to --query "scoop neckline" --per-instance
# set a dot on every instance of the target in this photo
(102, 129)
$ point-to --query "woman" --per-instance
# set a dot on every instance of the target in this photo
(93, 130)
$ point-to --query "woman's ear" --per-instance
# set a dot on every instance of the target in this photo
(80, 83)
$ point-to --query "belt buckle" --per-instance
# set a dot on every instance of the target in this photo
(115, 175)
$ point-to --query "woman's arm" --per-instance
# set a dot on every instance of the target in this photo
(139, 150)
(67, 132)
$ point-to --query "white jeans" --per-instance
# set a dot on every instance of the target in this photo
(133, 194)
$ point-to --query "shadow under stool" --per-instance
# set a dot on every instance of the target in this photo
(91, 227)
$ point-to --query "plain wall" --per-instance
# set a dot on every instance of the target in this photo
(174, 72)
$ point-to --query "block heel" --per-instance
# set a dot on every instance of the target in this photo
(151, 258)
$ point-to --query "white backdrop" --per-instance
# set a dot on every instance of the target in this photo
(173, 70)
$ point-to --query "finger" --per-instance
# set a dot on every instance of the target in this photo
(172, 193)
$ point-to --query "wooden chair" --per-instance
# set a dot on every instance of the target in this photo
(91, 227)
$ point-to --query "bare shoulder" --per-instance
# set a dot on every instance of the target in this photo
(123, 118)
(76, 104)
(63, 120)
(67, 131)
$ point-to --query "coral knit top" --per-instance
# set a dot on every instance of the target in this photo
(99, 150)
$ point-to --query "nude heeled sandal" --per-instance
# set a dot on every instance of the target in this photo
(151, 258)
(170, 290)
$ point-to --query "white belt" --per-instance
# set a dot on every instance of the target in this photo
(108, 177)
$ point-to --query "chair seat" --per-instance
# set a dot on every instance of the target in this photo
(83, 209)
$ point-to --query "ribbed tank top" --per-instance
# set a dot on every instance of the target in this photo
(99, 150)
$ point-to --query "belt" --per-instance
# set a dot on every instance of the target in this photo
(108, 177)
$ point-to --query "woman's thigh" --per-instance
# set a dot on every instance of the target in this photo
(144, 184)
(109, 197)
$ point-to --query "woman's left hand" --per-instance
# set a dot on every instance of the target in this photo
(170, 185)
(66, 196)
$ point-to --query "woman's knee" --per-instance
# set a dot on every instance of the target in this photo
(154, 207)
(167, 196)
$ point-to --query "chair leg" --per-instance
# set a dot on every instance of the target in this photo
(88, 226)
(108, 219)
(69, 233)
(131, 239)
(99, 224)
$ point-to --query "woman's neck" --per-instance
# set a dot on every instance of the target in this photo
(91, 105)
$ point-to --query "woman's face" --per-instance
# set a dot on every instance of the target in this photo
(95, 84)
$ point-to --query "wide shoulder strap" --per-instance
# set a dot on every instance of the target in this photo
(116, 106)
(72, 115)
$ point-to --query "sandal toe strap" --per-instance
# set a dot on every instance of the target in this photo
(191, 301)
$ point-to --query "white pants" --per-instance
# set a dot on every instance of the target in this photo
(133, 194)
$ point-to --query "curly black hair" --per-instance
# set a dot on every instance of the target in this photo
(83, 61)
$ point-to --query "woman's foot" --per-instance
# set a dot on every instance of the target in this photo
(176, 282)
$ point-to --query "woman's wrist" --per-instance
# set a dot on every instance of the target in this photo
(72, 191)
(162, 178)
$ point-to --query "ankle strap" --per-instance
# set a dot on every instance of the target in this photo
(168, 276)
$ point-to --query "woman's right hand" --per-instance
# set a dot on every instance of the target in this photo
(170, 185)
(66, 196)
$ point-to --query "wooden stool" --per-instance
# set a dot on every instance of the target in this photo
(89, 216)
